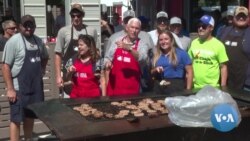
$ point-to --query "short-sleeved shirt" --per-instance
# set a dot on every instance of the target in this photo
(207, 57)
(14, 53)
(177, 71)
(64, 37)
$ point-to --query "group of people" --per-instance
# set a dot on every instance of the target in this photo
(163, 60)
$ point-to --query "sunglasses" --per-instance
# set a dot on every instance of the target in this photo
(239, 16)
(29, 25)
(160, 21)
(76, 15)
(12, 28)
(203, 26)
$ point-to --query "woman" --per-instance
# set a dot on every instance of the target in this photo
(171, 65)
(84, 72)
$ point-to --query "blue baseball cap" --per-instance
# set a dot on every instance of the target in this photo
(208, 20)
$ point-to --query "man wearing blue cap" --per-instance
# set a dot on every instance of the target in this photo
(209, 56)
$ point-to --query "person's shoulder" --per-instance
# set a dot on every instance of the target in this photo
(179, 50)
(152, 32)
(15, 37)
(38, 39)
(117, 35)
(143, 34)
(65, 28)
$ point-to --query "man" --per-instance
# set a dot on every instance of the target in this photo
(124, 59)
(7, 16)
(144, 37)
(9, 28)
(24, 61)
(209, 56)
(142, 34)
(115, 22)
(60, 18)
(66, 44)
(227, 21)
(176, 27)
(162, 24)
(236, 40)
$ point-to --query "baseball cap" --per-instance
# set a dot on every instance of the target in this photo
(230, 12)
(128, 13)
(161, 14)
(28, 18)
(175, 20)
(77, 7)
(208, 20)
(241, 9)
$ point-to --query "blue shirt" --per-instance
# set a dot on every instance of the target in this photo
(171, 71)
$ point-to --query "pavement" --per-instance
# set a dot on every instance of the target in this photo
(40, 133)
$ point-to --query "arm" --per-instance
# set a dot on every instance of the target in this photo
(11, 93)
(103, 83)
(223, 72)
(58, 60)
(189, 76)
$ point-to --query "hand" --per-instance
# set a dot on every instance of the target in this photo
(104, 23)
(159, 69)
(119, 43)
(11, 94)
(59, 81)
(71, 68)
(108, 65)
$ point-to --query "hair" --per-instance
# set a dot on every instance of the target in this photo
(6, 23)
(132, 20)
(90, 42)
(172, 53)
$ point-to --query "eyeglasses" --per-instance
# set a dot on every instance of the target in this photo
(30, 25)
(12, 28)
(239, 16)
(160, 21)
(176, 25)
(203, 26)
(76, 15)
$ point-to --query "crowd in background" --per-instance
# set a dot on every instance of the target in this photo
(133, 60)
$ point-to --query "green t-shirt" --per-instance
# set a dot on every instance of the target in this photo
(207, 57)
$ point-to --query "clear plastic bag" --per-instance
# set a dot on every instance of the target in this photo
(195, 110)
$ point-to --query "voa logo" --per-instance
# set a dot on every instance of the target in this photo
(224, 117)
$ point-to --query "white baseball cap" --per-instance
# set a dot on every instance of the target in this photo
(162, 14)
(175, 20)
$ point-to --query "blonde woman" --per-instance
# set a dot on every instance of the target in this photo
(171, 65)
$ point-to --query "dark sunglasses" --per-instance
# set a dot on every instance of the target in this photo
(12, 28)
(239, 16)
(203, 26)
(76, 15)
(30, 25)
(160, 21)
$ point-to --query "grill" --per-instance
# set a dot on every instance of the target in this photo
(68, 124)
(130, 110)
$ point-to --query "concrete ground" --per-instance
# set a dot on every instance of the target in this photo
(40, 133)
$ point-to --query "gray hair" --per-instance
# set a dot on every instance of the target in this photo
(6, 23)
(132, 20)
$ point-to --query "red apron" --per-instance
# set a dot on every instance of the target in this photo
(85, 84)
(124, 77)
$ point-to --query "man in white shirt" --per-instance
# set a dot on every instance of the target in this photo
(162, 24)
(176, 27)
